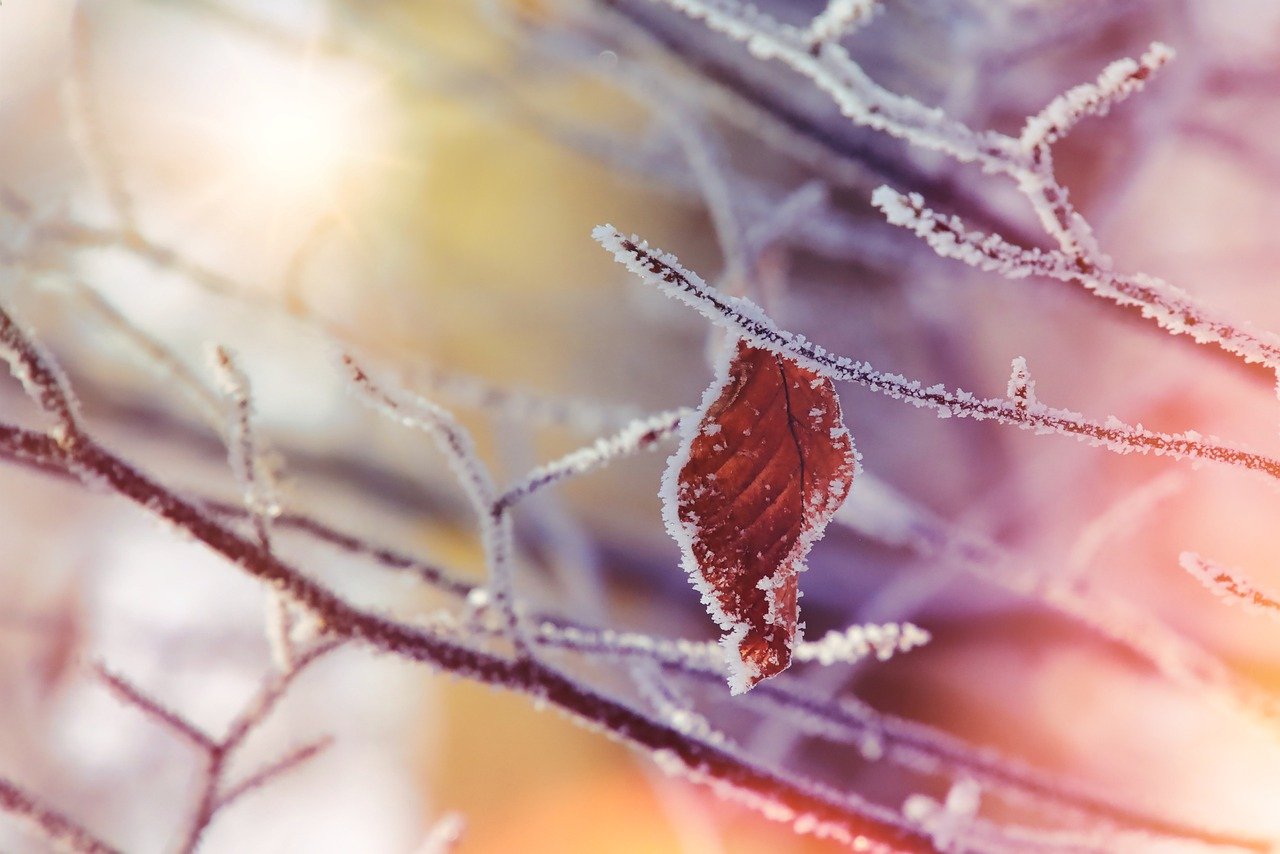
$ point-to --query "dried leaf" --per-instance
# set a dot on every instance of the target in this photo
(751, 487)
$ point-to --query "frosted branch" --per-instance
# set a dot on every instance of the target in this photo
(244, 451)
(1231, 585)
(860, 99)
(747, 320)
(40, 377)
(1118, 81)
(154, 354)
(641, 434)
(459, 450)
(1123, 516)
(1173, 309)
(585, 417)
(839, 19)
(858, 642)
(947, 822)
(837, 647)
(1022, 388)
(949, 238)
(84, 120)
(1023, 159)
(247, 458)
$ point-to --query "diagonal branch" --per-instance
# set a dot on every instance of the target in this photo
(747, 320)
(50, 823)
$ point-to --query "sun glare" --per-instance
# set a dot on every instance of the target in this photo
(273, 145)
(299, 141)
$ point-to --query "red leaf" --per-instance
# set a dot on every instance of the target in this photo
(748, 492)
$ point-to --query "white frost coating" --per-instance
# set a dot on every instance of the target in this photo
(749, 321)
(639, 434)
(858, 642)
(584, 417)
(948, 824)
(459, 451)
(856, 95)
(1231, 585)
(838, 647)
(839, 19)
(1118, 81)
(1172, 308)
(1022, 389)
(834, 72)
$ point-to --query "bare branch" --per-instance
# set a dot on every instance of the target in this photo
(130, 694)
(283, 765)
(50, 823)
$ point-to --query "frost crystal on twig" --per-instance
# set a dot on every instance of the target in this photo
(1118, 81)
(638, 435)
(839, 19)
(857, 642)
(747, 319)
(1231, 585)
(477, 484)
(1022, 388)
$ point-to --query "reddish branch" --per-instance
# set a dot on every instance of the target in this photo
(52, 824)
(214, 795)
(70, 446)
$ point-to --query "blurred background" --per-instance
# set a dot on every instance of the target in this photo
(417, 181)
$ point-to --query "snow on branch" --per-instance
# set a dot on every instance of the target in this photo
(1023, 159)
(858, 642)
(244, 449)
(749, 321)
(477, 484)
(859, 98)
(1173, 309)
(436, 421)
(641, 434)
(949, 238)
(249, 459)
(848, 646)
(40, 377)
(1022, 388)
(1118, 81)
(1231, 585)
(839, 19)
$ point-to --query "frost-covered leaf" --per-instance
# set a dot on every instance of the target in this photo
(751, 487)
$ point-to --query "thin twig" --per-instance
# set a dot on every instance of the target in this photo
(283, 765)
(153, 709)
(50, 823)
